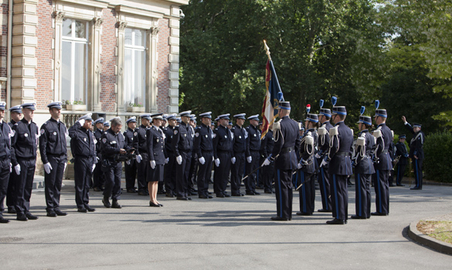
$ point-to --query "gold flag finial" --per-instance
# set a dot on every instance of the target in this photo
(267, 49)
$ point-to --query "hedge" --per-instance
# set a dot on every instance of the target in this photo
(438, 157)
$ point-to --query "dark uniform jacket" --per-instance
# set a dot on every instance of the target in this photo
(384, 161)
(341, 163)
(267, 144)
(130, 137)
(141, 140)
(324, 144)
(253, 140)
(203, 140)
(364, 164)
(82, 141)
(402, 152)
(416, 143)
(286, 146)
(307, 152)
(5, 140)
(169, 133)
(111, 144)
(240, 138)
(222, 141)
(156, 145)
(24, 142)
(52, 140)
(182, 139)
(98, 134)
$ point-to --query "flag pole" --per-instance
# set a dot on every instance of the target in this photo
(267, 49)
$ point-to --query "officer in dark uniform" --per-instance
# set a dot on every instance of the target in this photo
(284, 155)
(156, 148)
(267, 144)
(24, 144)
(182, 145)
(98, 176)
(83, 147)
(113, 144)
(142, 154)
(364, 168)
(323, 145)
(163, 127)
(53, 149)
(402, 153)
(170, 167)
(222, 145)
(16, 116)
(204, 146)
(383, 163)
(391, 151)
(307, 166)
(5, 158)
(416, 151)
(131, 141)
(238, 154)
(193, 169)
(106, 126)
(253, 146)
(341, 140)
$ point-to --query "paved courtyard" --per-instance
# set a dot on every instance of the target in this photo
(220, 233)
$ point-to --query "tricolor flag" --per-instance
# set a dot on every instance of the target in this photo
(272, 98)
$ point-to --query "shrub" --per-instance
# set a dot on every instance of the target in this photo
(438, 157)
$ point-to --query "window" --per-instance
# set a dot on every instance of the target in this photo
(74, 61)
(134, 67)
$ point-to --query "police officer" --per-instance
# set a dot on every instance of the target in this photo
(98, 177)
(83, 147)
(284, 155)
(131, 141)
(156, 147)
(323, 145)
(113, 144)
(170, 167)
(383, 163)
(5, 159)
(182, 145)
(23, 158)
(53, 149)
(402, 153)
(16, 116)
(106, 126)
(268, 172)
(142, 154)
(222, 145)
(163, 127)
(364, 168)
(341, 140)
(193, 169)
(204, 151)
(416, 151)
(253, 147)
(238, 153)
(307, 166)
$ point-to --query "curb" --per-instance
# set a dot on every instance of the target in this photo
(428, 241)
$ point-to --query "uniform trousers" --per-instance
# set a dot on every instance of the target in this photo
(82, 177)
(131, 173)
(237, 170)
(363, 197)
(204, 173)
(250, 182)
(307, 191)
(142, 170)
(417, 165)
(284, 193)
(400, 173)
(187, 173)
(113, 181)
(381, 185)
(181, 175)
(4, 180)
(193, 172)
(324, 184)
(268, 176)
(339, 196)
(24, 184)
(53, 181)
(222, 172)
(98, 176)
(10, 195)
(170, 174)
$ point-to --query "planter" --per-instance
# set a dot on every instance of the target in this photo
(77, 107)
(135, 109)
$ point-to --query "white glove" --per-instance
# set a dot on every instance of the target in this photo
(323, 163)
(213, 158)
(266, 162)
(317, 155)
(202, 160)
(128, 162)
(152, 162)
(138, 158)
(167, 160)
(233, 159)
(17, 169)
(47, 167)
(82, 122)
(97, 160)
(10, 167)
(299, 166)
(94, 166)
(249, 159)
(65, 165)
(179, 159)
(217, 162)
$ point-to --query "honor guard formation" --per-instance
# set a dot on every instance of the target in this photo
(171, 155)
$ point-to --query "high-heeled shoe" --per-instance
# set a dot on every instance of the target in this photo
(155, 205)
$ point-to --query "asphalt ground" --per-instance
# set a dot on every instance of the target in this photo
(220, 233)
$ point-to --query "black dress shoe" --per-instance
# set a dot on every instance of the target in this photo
(98, 189)
(143, 193)
(357, 217)
(182, 198)
(249, 193)
(202, 196)
(392, 185)
(415, 188)
(51, 214)
(220, 195)
(11, 210)
(280, 219)
(268, 192)
(304, 214)
(89, 208)
(151, 204)
(170, 195)
(226, 195)
(115, 204)
(237, 194)
(3, 220)
(131, 190)
(325, 210)
(106, 202)
(22, 217)
(82, 210)
(400, 185)
(378, 214)
(337, 221)
(31, 217)
(60, 213)
(256, 193)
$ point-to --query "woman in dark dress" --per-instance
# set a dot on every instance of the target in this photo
(156, 144)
